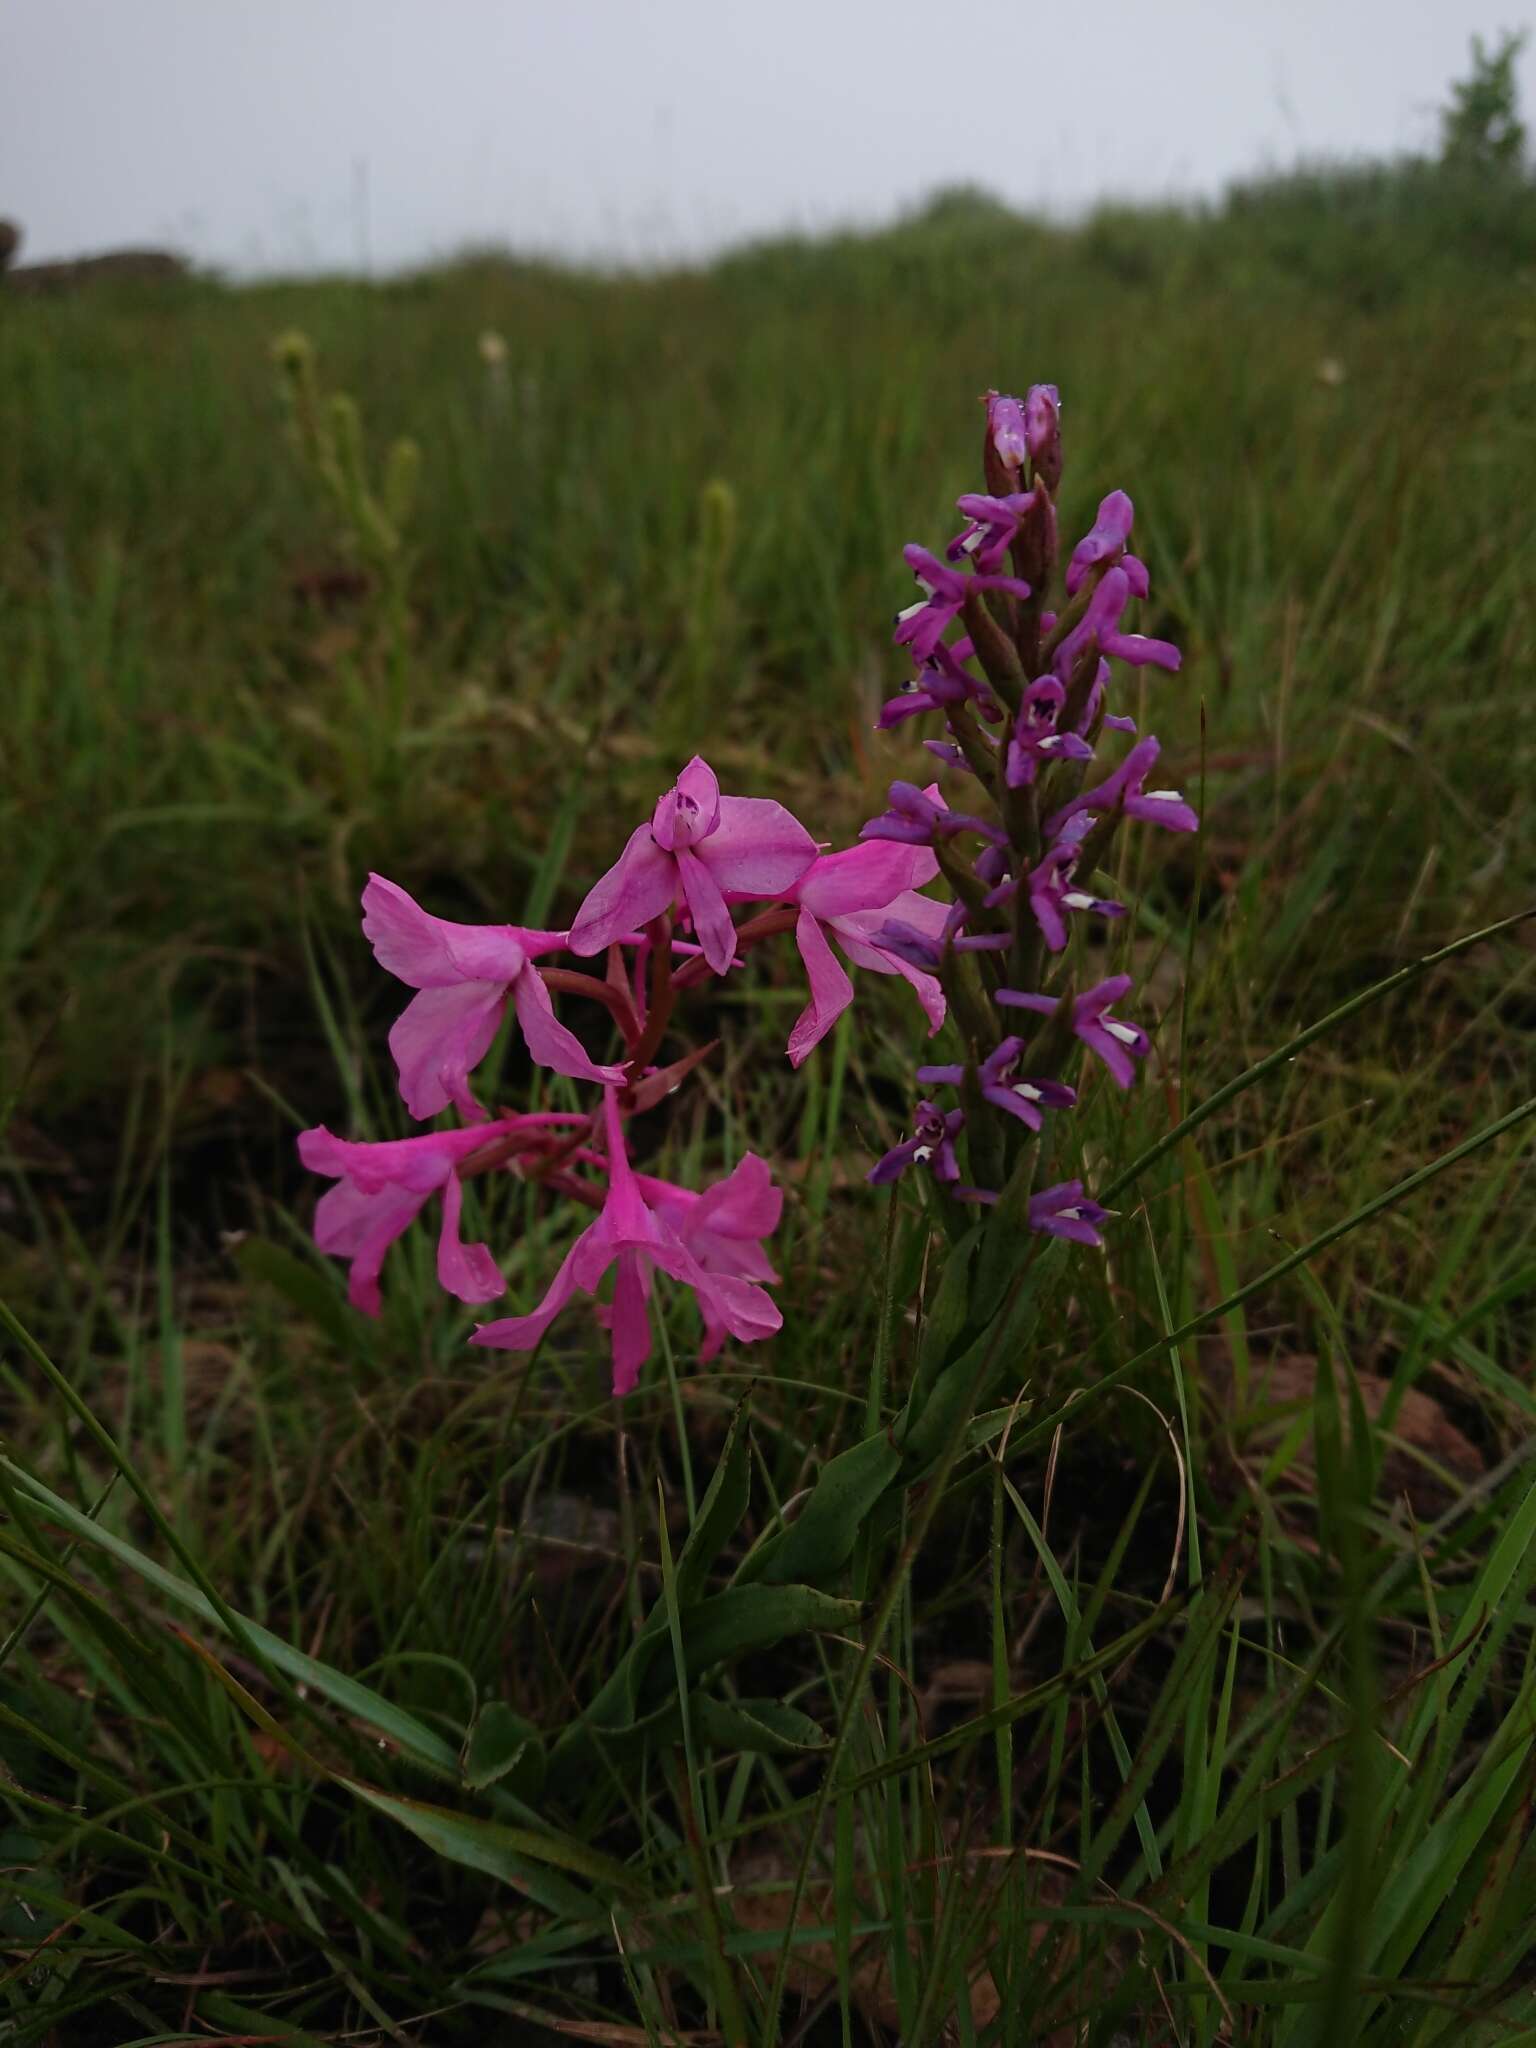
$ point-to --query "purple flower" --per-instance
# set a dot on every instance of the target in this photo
(939, 683)
(1100, 624)
(703, 845)
(1052, 896)
(1042, 433)
(932, 1144)
(1105, 542)
(1004, 1086)
(1111, 1038)
(1065, 1211)
(917, 817)
(1124, 791)
(1035, 740)
(1007, 431)
(923, 625)
(991, 524)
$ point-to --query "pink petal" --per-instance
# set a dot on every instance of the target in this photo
(521, 1333)
(630, 1323)
(855, 932)
(467, 1270)
(744, 1204)
(929, 991)
(831, 990)
(864, 877)
(362, 1227)
(550, 1043)
(438, 1037)
(434, 952)
(711, 918)
(757, 849)
(420, 1163)
(854, 936)
(746, 1311)
(640, 885)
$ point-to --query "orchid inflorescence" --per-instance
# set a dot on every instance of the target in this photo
(1024, 695)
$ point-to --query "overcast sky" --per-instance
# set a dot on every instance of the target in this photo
(286, 134)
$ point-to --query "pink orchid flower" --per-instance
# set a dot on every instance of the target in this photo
(723, 1226)
(850, 896)
(705, 846)
(465, 973)
(381, 1189)
(635, 1238)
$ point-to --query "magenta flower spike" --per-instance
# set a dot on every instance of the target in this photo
(923, 625)
(1004, 1086)
(464, 974)
(1110, 1038)
(932, 1145)
(850, 896)
(703, 846)
(1065, 1211)
(1125, 791)
(382, 1188)
(633, 1238)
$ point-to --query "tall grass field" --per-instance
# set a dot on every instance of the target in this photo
(1188, 1695)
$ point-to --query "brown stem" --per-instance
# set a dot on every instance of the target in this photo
(567, 981)
(766, 925)
(663, 997)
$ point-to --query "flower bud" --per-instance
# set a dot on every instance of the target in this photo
(1042, 433)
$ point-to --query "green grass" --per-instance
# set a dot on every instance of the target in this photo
(1195, 1704)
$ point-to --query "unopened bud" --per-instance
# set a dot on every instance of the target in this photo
(1042, 433)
